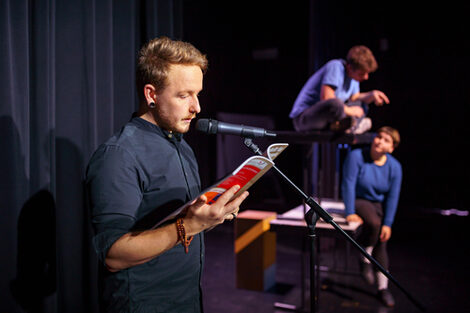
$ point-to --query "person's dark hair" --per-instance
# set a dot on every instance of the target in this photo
(362, 58)
(392, 132)
(156, 57)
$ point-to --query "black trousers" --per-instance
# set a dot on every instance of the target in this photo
(320, 115)
(369, 235)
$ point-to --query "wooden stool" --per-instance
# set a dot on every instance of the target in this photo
(255, 250)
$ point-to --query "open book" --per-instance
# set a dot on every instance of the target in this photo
(244, 175)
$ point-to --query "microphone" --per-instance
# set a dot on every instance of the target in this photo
(210, 126)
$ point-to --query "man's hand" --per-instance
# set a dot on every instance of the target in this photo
(201, 216)
(354, 111)
(376, 96)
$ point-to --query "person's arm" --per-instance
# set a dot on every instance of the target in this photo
(392, 197)
(137, 248)
(327, 92)
(134, 249)
(391, 204)
(354, 111)
(375, 96)
(348, 185)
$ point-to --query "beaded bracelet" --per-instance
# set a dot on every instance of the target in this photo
(182, 234)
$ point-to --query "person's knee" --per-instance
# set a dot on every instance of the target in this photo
(336, 106)
(305, 122)
(374, 225)
(336, 103)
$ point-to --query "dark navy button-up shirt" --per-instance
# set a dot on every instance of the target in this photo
(139, 172)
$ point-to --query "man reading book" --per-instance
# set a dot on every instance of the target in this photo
(145, 167)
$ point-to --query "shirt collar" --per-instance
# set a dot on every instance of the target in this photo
(172, 136)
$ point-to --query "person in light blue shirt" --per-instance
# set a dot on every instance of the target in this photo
(370, 189)
(331, 98)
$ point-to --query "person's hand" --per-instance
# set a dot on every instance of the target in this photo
(385, 233)
(354, 218)
(232, 215)
(201, 216)
(378, 97)
(354, 111)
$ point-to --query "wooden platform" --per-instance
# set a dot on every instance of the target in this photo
(295, 217)
(255, 250)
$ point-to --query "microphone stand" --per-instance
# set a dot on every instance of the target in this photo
(311, 217)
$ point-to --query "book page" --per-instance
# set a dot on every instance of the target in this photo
(274, 150)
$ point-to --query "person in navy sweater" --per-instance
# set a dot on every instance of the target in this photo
(371, 189)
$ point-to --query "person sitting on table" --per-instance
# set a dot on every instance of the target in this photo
(371, 189)
(331, 98)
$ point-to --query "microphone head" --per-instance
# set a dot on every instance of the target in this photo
(207, 126)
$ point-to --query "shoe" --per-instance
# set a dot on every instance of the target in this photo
(367, 272)
(386, 297)
(361, 126)
(342, 125)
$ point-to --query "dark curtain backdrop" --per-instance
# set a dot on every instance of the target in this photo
(67, 83)
(423, 69)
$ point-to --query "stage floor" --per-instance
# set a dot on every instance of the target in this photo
(427, 257)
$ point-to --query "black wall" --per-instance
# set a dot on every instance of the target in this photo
(422, 53)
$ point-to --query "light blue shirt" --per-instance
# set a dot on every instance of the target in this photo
(333, 74)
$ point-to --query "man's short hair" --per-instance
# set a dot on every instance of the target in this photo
(156, 57)
(362, 58)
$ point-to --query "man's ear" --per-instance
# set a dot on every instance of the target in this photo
(150, 94)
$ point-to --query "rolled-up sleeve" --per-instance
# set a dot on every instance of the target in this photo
(114, 191)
